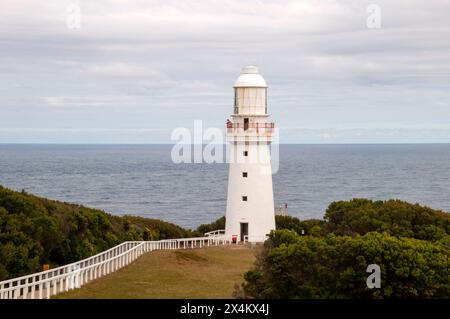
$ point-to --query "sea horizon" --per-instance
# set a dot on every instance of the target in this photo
(141, 179)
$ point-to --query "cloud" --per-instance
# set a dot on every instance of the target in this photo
(121, 70)
(166, 63)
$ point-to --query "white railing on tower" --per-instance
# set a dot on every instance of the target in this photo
(54, 281)
(250, 128)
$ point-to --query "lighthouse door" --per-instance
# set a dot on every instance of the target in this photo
(244, 230)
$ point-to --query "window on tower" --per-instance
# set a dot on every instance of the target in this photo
(244, 174)
(244, 198)
(245, 153)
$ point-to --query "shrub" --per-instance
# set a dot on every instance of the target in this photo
(398, 218)
(293, 266)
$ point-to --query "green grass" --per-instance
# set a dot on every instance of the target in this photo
(199, 273)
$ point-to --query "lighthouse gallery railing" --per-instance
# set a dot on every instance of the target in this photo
(250, 127)
(54, 281)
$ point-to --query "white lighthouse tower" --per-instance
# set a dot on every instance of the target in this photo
(250, 212)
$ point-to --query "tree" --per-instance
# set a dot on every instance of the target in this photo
(398, 218)
(216, 225)
(301, 227)
(293, 266)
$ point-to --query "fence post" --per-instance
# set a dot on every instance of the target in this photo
(40, 290)
(32, 287)
(48, 290)
(54, 286)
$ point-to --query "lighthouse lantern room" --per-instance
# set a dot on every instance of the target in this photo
(250, 212)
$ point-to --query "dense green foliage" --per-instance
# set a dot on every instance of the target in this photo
(301, 227)
(398, 218)
(36, 231)
(216, 225)
(328, 259)
(155, 229)
(294, 266)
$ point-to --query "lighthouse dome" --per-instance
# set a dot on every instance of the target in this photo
(250, 77)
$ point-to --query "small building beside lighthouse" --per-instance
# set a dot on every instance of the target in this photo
(250, 213)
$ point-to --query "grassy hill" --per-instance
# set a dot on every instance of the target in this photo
(199, 273)
(36, 231)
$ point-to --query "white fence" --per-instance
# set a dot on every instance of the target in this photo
(215, 233)
(54, 281)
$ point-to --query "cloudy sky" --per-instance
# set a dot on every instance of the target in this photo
(132, 71)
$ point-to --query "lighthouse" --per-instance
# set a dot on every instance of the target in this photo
(250, 213)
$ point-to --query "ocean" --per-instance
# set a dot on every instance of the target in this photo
(142, 179)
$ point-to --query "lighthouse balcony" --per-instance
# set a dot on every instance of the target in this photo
(250, 128)
(250, 131)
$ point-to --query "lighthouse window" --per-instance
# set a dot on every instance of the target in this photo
(244, 174)
(245, 153)
(244, 198)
